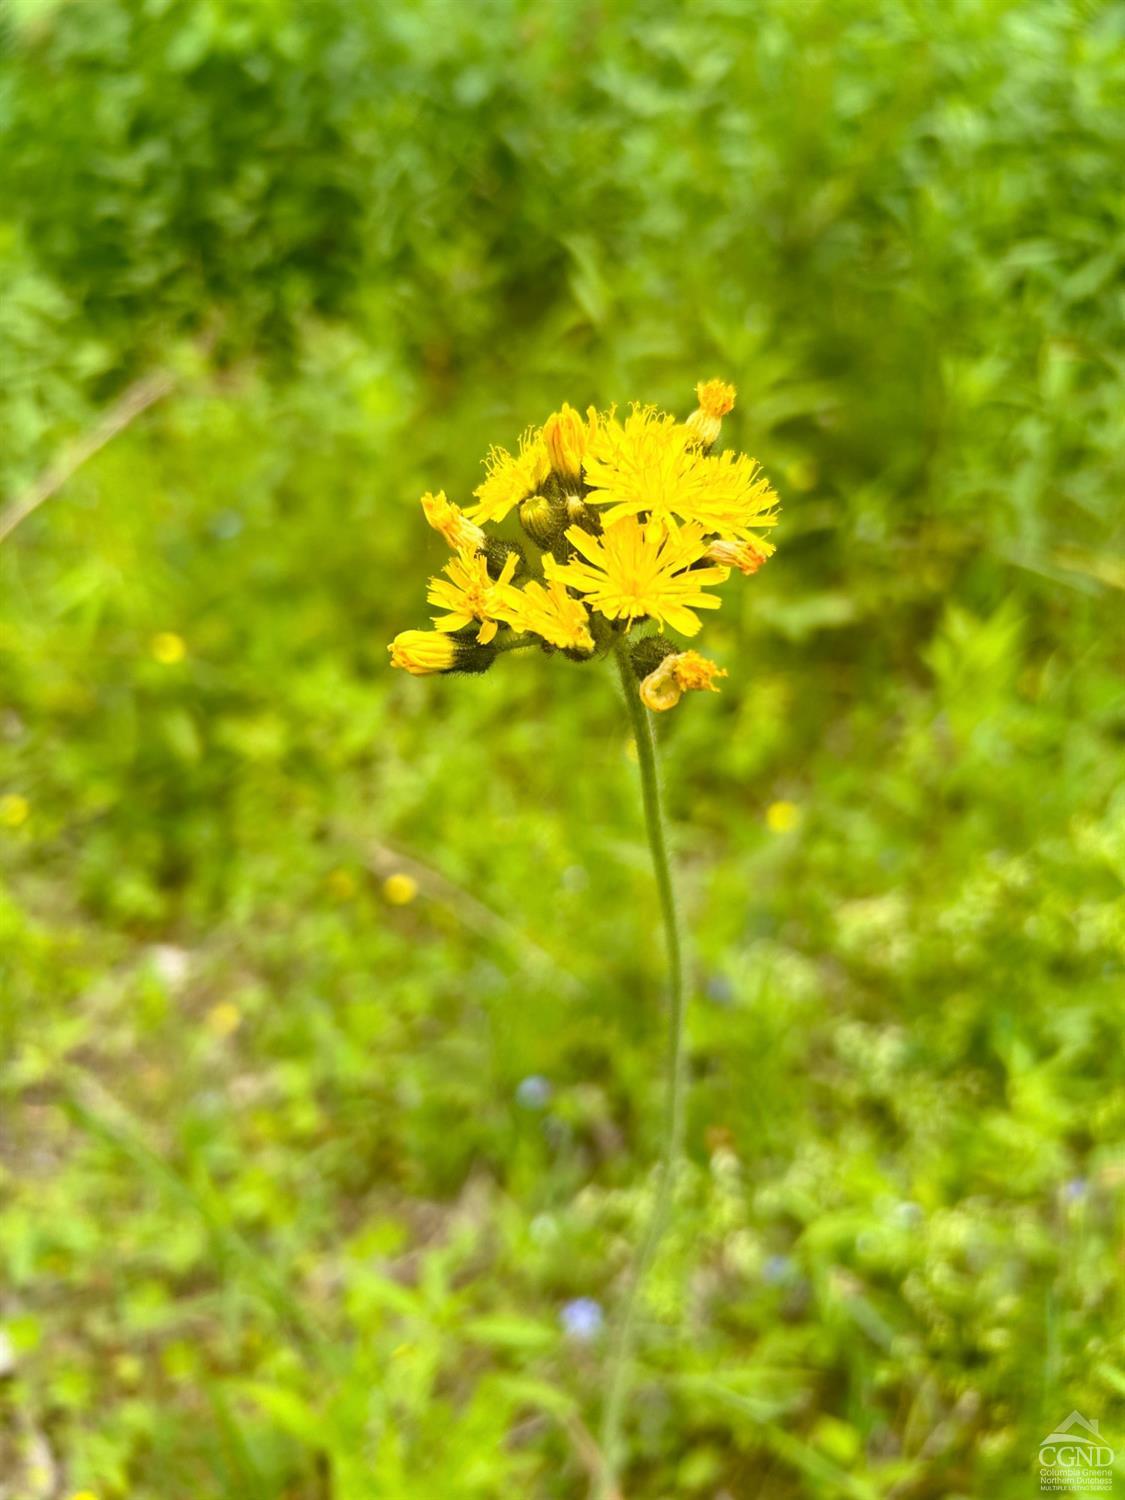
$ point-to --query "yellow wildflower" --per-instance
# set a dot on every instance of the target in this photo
(732, 496)
(14, 810)
(342, 884)
(648, 464)
(782, 817)
(636, 569)
(452, 522)
(641, 464)
(422, 652)
(469, 594)
(550, 612)
(682, 672)
(715, 400)
(567, 437)
(168, 648)
(511, 477)
(400, 889)
(224, 1019)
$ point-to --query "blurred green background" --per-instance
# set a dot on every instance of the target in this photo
(330, 1000)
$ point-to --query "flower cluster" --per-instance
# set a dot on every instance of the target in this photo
(634, 522)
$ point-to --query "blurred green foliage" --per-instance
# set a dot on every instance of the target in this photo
(282, 1214)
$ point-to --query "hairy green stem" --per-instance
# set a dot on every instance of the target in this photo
(672, 1129)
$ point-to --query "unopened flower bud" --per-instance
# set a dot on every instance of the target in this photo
(544, 520)
(680, 672)
(715, 399)
(423, 653)
(648, 653)
(565, 437)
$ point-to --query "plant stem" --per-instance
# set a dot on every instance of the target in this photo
(674, 1079)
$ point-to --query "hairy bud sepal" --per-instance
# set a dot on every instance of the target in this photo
(648, 653)
(497, 553)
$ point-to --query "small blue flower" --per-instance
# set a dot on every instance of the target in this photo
(778, 1268)
(582, 1319)
(1075, 1190)
(720, 990)
(534, 1092)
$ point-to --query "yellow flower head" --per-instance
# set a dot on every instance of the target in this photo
(715, 400)
(550, 612)
(649, 464)
(782, 817)
(469, 594)
(636, 569)
(510, 478)
(567, 437)
(400, 889)
(168, 648)
(14, 810)
(452, 522)
(732, 496)
(641, 464)
(682, 672)
(422, 652)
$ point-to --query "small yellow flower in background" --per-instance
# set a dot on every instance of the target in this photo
(469, 593)
(511, 478)
(224, 1019)
(168, 648)
(400, 889)
(451, 521)
(802, 474)
(14, 810)
(342, 884)
(715, 398)
(681, 672)
(422, 652)
(83, 1495)
(782, 817)
(636, 569)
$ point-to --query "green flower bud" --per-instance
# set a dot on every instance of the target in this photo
(648, 653)
(544, 520)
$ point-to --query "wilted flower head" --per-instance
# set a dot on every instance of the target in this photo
(679, 673)
(715, 400)
(635, 524)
